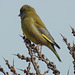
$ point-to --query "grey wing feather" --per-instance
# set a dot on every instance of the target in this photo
(45, 32)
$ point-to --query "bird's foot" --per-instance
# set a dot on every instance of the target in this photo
(37, 47)
(40, 48)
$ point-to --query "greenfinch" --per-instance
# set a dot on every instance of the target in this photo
(35, 30)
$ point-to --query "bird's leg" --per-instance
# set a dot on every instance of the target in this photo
(37, 47)
(40, 48)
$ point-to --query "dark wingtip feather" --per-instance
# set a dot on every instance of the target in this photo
(60, 60)
(57, 45)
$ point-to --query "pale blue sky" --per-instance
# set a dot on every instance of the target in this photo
(57, 15)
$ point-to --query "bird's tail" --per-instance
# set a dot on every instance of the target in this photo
(51, 46)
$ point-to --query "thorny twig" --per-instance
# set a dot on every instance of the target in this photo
(12, 69)
(22, 57)
(32, 59)
(71, 49)
(46, 72)
(2, 70)
(73, 31)
(32, 50)
(27, 71)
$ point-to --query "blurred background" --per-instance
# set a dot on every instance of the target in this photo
(57, 15)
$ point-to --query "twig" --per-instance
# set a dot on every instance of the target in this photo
(12, 69)
(27, 71)
(46, 72)
(2, 70)
(22, 57)
(71, 49)
(32, 50)
(73, 31)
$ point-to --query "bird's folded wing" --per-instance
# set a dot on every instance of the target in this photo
(39, 22)
(42, 29)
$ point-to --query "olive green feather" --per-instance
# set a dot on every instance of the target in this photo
(35, 30)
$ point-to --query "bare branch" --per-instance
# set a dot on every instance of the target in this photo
(71, 48)
(12, 69)
(32, 50)
(2, 70)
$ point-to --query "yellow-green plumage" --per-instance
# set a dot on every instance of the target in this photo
(35, 30)
(31, 31)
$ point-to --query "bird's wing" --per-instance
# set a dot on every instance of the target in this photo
(41, 27)
(39, 22)
(44, 32)
(46, 35)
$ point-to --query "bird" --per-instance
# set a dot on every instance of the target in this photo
(35, 30)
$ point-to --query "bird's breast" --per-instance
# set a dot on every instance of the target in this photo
(32, 32)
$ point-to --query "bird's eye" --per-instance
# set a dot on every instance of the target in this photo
(21, 11)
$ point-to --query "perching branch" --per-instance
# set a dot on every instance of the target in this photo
(32, 50)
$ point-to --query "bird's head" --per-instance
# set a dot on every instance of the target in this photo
(24, 9)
